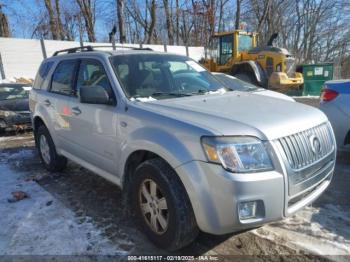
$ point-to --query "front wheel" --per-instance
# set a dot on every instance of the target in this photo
(47, 151)
(161, 205)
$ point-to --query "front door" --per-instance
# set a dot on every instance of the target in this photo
(94, 126)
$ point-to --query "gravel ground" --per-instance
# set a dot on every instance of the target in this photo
(95, 202)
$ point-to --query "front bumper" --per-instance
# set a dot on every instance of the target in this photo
(16, 121)
(215, 195)
(282, 82)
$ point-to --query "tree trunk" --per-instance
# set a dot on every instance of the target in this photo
(121, 22)
(238, 14)
(153, 21)
(59, 22)
(87, 12)
(52, 20)
(4, 25)
(177, 23)
(169, 23)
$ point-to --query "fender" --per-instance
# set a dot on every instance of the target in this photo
(162, 143)
(253, 67)
(40, 112)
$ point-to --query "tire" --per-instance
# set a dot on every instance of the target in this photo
(247, 77)
(181, 227)
(49, 157)
(2, 126)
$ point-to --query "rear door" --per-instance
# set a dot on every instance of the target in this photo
(57, 101)
(93, 127)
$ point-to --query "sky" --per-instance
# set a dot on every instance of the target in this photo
(24, 14)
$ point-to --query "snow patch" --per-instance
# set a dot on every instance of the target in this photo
(41, 224)
(323, 231)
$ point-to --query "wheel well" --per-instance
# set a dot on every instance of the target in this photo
(133, 161)
(347, 138)
(242, 68)
(254, 69)
(37, 122)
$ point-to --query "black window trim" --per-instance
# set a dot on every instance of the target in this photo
(75, 79)
(48, 66)
(76, 61)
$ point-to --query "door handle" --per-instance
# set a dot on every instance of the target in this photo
(76, 110)
(47, 102)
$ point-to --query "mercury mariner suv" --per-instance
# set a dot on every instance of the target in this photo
(189, 153)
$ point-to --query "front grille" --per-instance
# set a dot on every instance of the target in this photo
(305, 148)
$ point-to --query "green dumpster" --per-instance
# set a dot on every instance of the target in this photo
(314, 77)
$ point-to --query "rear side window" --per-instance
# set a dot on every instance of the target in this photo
(42, 74)
(62, 78)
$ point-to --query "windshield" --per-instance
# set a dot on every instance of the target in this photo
(14, 92)
(162, 76)
(245, 42)
(235, 83)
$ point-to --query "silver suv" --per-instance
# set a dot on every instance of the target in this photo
(189, 153)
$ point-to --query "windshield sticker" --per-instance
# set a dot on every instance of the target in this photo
(195, 66)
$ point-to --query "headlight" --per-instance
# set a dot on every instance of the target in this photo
(6, 113)
(238, 154)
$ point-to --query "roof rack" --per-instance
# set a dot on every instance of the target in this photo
(92, 48)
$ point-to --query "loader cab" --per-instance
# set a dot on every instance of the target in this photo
(230, 44)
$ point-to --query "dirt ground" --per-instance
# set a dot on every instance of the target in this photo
(94, 206)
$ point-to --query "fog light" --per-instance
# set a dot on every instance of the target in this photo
(247, 210)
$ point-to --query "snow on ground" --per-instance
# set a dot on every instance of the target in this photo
(322, 231)
(40, 224)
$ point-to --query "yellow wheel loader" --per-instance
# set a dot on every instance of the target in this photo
(236, 53)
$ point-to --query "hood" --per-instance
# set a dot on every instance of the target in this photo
(264, 92)
(240, 113)
(15, 105)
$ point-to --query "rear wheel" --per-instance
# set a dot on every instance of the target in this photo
(161, 205)
(47, 151)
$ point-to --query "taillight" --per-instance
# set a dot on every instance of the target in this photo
(328, 95)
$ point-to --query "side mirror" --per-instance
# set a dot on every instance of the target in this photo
(94, 95)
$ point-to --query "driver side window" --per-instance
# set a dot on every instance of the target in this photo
(91, 74)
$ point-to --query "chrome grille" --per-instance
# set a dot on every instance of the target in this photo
(300, 148)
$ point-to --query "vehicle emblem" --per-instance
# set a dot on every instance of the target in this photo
(315, 144)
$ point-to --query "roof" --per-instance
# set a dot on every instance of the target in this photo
(93, 51)
(339, 81)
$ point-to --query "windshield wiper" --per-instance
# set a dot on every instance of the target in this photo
(170, 94)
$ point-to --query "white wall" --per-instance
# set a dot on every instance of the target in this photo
(22, 57)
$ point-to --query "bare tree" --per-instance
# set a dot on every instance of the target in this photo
(177, 10)
(121, 20)
(52, 20)
(4, 25)
(87, 8)
(238, 13)
(146, 18)
(58, 19)
(169, 22)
